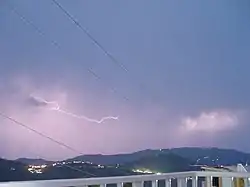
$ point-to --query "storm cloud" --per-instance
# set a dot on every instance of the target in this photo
(187, 82)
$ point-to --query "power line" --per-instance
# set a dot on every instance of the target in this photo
(46, 137)
(39, 133)
(27, 127)
(92, 38)
(56, 44)
(95, 41)
(39, 31)
(22, 17)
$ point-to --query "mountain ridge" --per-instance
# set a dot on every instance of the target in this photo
(145, 161)
(34, 161)
(198, 155)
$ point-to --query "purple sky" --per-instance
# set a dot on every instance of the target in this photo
(192, 59)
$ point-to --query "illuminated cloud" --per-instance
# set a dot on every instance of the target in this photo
(211, 121)
(38, 101)
(20, 100)
(25, 102)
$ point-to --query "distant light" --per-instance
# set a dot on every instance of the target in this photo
(146, 171)
(100, 166)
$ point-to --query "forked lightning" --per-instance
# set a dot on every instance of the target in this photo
(58, 109)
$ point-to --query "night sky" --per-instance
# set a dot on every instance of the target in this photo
(186, 83)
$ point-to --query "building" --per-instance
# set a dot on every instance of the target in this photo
(217, 181)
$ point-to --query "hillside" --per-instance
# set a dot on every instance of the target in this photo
(213, 156)
(164, 160)
(33, 161)
(13, 171)
(82, 170)
(115, 159)
(16, 171)
(208, 156)
(162, 163)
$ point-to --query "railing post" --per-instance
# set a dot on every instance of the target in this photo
(227, 182)
(208, 181)
(155, 183)
(137, 184)
(181, 182)
(245, 182)
(119, 184)
(194, 181)
(168, 183)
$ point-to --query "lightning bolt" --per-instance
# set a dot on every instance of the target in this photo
(57, 108)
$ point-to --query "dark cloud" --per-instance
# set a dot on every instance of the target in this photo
(187, 76)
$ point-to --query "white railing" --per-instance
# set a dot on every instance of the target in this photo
(138, 180)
